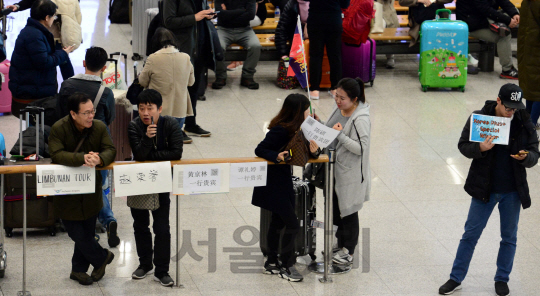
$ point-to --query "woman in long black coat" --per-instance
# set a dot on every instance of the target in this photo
(278, 195)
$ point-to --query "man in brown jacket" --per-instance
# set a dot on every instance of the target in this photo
(78, 140)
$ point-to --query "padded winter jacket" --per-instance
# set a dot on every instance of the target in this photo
(522, 137)
(33, 64)
(168, 143)
(477, 12)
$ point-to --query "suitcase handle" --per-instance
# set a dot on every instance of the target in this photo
(32, 110)
(443, 10)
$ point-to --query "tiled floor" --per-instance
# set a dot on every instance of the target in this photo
(416, 213)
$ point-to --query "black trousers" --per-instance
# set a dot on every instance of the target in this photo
(318, 39)
(289, 222)
(198, 69)
(87, 250)
(348, 227)
(162, 232)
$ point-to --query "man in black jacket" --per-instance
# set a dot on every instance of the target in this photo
(479, 14)
(154, 137)
(233, 27)
(186, 19)
(89, 83)
(497, 175)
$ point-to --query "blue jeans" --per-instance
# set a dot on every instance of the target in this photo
(181, 121)
(479, 212)
(106, 214)
(534, 110)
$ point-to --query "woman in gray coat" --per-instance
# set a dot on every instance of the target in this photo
(352, 172)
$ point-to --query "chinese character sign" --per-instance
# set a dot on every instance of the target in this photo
(251, 174)
(142, 178)
(199, 179)
(62, 180)
(320, 133)
(484, 125)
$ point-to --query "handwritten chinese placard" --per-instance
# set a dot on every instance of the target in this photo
(142, 178)
(62, 180)
(484, 125)
(252, 174)
(201, 179)
(321, 134)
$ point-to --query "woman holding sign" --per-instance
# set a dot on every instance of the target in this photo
(352, 172)
(278, 194)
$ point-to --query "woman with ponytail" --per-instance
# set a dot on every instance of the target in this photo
(352, 171)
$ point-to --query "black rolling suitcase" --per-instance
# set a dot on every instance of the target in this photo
(305, 211)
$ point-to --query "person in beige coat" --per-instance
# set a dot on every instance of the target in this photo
(170, 72)
(391, 20)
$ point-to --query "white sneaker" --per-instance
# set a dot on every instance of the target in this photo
(342, 257)
(472, 61)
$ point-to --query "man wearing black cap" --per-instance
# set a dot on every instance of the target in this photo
(497, 175)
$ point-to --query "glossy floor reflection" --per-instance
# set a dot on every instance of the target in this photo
(415, 217)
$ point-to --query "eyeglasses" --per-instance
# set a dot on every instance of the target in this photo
(509, 109)
(88, 113)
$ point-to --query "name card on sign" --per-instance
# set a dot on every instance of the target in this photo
(201, 179)
(483, 126)
(142, 178)
(64, 180)
(320, 133)
(251, 174)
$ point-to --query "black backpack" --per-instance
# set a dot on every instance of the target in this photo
(52, 114)
(119, 11)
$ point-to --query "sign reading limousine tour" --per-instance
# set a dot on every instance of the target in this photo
(201, 178)
(320, 133)
(483, 126)
(142, 178)
(64, 180)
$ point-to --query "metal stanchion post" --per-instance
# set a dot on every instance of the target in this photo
(178, 242)
(3, 256)
(326, 267)
(24, 292)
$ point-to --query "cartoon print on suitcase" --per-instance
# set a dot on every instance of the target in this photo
(444, 49)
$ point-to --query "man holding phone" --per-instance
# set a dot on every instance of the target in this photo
(497, 175)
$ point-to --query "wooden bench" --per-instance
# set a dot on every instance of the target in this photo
(404, 19)
(399, 44)
(236, 52)
(269, 26)
(451, 6)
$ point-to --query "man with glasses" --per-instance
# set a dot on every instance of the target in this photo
(89, 83)
(497, 175)
(80, 140)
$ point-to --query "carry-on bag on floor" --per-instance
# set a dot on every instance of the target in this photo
(141, 21)
(359, 60)
(305, 242)
(5, 94)
(444, 48)
(284, 81)
(325, 77)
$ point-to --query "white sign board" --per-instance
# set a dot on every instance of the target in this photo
(201, 179)
(483, 126)
(142, 178)
(63, 180)
(320, 133)
(251, 174)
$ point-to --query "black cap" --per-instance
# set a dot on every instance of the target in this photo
(511, 96)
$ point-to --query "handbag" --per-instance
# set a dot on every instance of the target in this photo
(144, 201)
(133, 91)
(377, 22)
(315, 173)
(298, 149)
(284, 81)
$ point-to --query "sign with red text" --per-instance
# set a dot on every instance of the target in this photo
(483, 126)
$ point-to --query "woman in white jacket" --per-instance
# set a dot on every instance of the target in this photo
(352, 171)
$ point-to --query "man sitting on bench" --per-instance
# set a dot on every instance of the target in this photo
(488, 23)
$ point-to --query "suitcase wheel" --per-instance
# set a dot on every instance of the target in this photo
(424, 88)
(2, 273)
(9, 232)
(52, 231)
(136, 57)
(313, 256)
(462, 89)
(371, 83)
